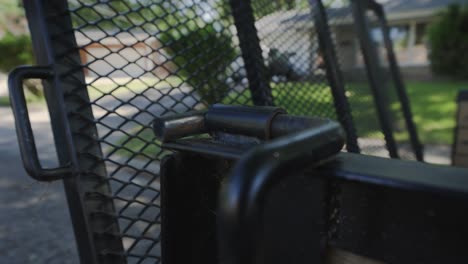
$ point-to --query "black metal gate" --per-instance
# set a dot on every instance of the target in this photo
(111, 67)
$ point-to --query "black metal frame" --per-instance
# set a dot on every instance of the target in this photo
(55, 46)
(334, 75)
(461, 98)
(188, 219)
(399, 84)
(375, 75)
(80, 155)
(259, 83)
(390, 210)
(27, 143)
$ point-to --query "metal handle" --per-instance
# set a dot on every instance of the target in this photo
(241, 198)
(24, 131)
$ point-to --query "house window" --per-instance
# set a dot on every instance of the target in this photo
(421, 29)
(398, 34)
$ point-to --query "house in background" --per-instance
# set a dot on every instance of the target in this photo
(137, 54)
(408, 20)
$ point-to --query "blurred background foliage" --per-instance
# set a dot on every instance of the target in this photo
(448, 41)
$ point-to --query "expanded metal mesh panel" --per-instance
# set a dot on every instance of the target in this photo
(295, 63)
(358, 91)
(388, 86)
(143, 59)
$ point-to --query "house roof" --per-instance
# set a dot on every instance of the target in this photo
(395, 10)
(412, 9)
(402, 6)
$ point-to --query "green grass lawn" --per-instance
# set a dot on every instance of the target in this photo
(141, 141)
(30, 98)
(4, 101)
(99, 89)
(134, 86)
(433, 106)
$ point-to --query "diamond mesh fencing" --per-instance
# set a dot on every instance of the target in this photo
(389, 88)
(358, 89)
(292, 54)
(141, 59)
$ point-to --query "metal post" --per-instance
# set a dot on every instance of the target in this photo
(67, 97)
(334, 76)
(249, 43)
(374, 73)
(399, 85)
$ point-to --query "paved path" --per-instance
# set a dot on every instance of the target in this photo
(3, 84)
(34, 221)
(35, 226)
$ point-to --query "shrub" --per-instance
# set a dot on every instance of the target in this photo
(203, 56)
(15, 50)
(448, 40)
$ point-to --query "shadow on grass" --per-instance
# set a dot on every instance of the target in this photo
(4, 101)
(140, 143)
(433, 107)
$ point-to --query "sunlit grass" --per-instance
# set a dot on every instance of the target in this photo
(433, 107)
(125, 86)
(140, 141)
(30, 99)
(4, 101)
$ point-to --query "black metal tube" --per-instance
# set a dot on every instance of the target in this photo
(399, 85)
(334, 76)
(249, 43)
(248, 121)
(283, 125)
(178, 126)
(76, 140)
(259, 122)
(26, 141)
(374, 74)
(241, 198)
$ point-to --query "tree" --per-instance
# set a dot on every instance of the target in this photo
(125, 14)
(16, 46)
(11, 15)
(448, 41)
(203, 55)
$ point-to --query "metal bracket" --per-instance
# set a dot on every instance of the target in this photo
(224, 188)
(265, 140)
(24, 131)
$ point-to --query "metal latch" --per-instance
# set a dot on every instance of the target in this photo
(232, 171)
(260, 186)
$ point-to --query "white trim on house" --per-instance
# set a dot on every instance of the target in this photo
(413, 54)
(411, 15)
